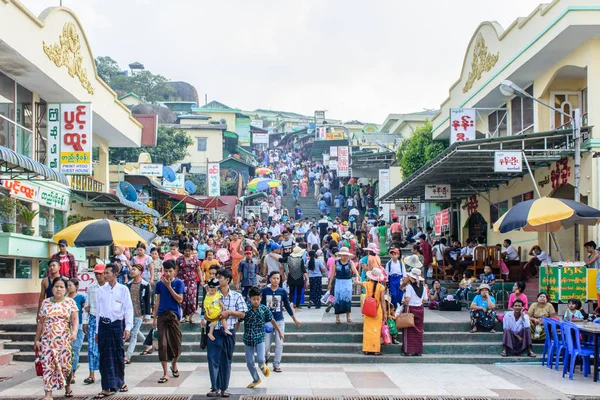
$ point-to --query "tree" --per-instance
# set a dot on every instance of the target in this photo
(418, 150)
(171, 147)
(145, 84)
(107, 68)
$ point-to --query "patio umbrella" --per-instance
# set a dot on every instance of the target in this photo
(546, 214)
(263, 171)
(103, 232)
(258, 184)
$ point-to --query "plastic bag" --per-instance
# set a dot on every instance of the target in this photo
(325, 297)
(392, 326)
(385, 334)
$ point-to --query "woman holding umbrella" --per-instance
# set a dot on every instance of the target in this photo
(188, 269)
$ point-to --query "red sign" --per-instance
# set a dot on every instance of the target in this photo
(20, 189)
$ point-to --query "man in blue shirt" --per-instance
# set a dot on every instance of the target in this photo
(276, 299)
(248, 270)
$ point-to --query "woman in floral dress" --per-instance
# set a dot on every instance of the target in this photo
(188, 269)
(56, 331)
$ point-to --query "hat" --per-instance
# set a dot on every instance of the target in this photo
(483, 286)
(375, 274)
(99, 268)
(275, 246)
(413, 261)
(63, 242)
(415, 273)
(297, 252)
(213, 282)
(394, 250)
(372, 247)
(348, 235)
(345, 223)
(344, 251)
(319, 252)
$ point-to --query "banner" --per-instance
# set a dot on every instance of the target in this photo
(384, 187)
(333, 151)
(462, 124)
(325, 159)
(29, 191)
(178, 183)
(437, 192)
(438, 224)
(343, 162)
(442, 221)
(151, 169)
(260, 138)
(257, 123)
(214, 179)
(53, 142)
(75, 120)
(508, 161)
(407, 209)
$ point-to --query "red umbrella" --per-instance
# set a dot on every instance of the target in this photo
(352, 181)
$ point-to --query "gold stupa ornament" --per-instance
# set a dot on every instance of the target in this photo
(67, 53)
(483, 61)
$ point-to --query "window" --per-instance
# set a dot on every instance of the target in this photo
(201, 144)
(7, 268)
(497, 210)
(521, 113)
(15, 269)
(23, 269)
(7, 109)
(522, 197)
(59, 220)
(497, 122)
(567, 102)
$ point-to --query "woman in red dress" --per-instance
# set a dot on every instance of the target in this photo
(188, 269)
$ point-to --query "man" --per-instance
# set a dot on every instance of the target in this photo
(167, 313)
(273, 261)
(419, 233)
(396, 230)
(276, 298)
(539, 257)
(140, 293)
(323, 225)
(220, 350)
(298, 212)
(47, 284)
(427, 254)
(247, 272)
(66, 260)
(272, 210)
(89, 322)
(274, 230)
(114, 310)
(264, 210)
(510, 254)
(287, 245)
(313, 237)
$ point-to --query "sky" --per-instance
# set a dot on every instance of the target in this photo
(358, 60)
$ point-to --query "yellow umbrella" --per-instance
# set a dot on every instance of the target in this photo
(103, 232)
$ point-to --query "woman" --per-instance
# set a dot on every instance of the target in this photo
(316, 269)
(436, 295)
(304, 187)
(331, 262)
(79, 299)
(415, 294)
(517, 333)
(541, 308)
(173, 253)
(383, 234)
(144, 260)
(188, 268)
(210, 242)
(374, 235)
(342, 273)
(517, 294)
(373, 260)
(56, 329)
(372, 325)
(483, 314)
(237, 254)
(297, 276)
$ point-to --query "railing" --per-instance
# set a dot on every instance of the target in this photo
(86, 183)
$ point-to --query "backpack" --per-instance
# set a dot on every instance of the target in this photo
(327, 198)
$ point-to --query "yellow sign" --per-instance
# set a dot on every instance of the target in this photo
(336, 135)
(75, 157)
(592, 290)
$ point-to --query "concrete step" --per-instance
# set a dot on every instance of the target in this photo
(7, 356)
(7, 313)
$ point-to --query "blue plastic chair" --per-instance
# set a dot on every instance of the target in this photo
(557, 345)
(597, 321)
(546, 357)
(575, 350)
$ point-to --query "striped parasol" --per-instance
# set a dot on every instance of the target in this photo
(103, 232)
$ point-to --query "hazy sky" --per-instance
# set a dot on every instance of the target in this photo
(356, 59)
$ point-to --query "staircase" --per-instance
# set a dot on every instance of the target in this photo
(308, 205)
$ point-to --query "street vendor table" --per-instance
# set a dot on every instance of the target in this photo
(592, 330)
(567, 281)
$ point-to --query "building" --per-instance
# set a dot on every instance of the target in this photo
(46, 60)
(405, 124)
(234, 118)
(553, 54)
(131, 99)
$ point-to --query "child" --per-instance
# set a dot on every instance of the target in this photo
(465, 286)
(254, 334)
(573, 314)
(487, 277)
(213, 307)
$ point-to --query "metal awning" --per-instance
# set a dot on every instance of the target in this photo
(102, 201)
(17, 166)
(469, 166)
(209, 202)
(381, 160)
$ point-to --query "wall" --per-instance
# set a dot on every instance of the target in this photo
(214, 146)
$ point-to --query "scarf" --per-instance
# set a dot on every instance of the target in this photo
(418, 289)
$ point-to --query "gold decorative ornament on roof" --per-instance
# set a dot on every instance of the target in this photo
(68, 53)
(483, 61)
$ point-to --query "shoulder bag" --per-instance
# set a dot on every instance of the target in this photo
(369, 307)
(405, 320)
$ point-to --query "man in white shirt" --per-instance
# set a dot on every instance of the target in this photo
(272, 210)
(313, 237)
(89, 322)
(274, 230)
(539, 257)
(510, 254)
(264, 210)
(113, 306)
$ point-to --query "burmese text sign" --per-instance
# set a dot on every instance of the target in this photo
(76, 138)
(214, 179)
(343, 161)
(508, 161)
(437, 192)
(462, 124)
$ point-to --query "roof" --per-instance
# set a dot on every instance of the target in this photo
(110, 202)
(17, 166)
(392, 138)
(204, 203)
(288, 114)
(469, 166)
(238, 160)
(215, 104)
(136, 65)
(195, 116)
(132, 95)
(371, 160)
(231, 135)
(215, 127)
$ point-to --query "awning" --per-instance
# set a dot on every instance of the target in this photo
(14, 166)
(256, 195)
(101, 201)
(210, 202)
(231, 135)
(469, 166)
(381, 160)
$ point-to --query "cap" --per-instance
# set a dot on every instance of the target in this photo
(63, 242)
(99, 268)
(275, 246)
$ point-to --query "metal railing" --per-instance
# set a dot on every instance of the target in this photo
(86, 183)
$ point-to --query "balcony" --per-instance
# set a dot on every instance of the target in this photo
(86, 183)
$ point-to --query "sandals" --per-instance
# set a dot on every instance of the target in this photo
(89, 380)
(224, 394)
(102, 395)
(176, 374)
(474, 330)
(163, 380)
(214, 393)
(337, 321)
(252, 385)
(124, 389)
(127, 361)
(493, 331)
(69, 393)
(145, 352)
(531, 354)
(348, 320)
(277, 369)
(503, 354)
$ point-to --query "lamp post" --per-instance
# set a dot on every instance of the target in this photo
(509, 89)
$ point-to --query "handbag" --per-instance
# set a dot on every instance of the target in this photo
(405, 320)
(38, 364)
(392, 326)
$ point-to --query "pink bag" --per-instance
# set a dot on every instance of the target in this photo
(503, 268)
(385, 334)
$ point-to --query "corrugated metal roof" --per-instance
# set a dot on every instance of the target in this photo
(15, 165)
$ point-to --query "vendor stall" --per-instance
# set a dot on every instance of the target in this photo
(569, 280)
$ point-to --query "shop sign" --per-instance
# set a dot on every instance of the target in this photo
(437, 192)
(333, 151)
(31, 192)
(178, 183)
(322, 132)
(335, 135)
(325, 159)
(257, 123)
(151, 169)
(508, 161)
(333, 164)
(214, 179)
(70, 138)
(260, 138)
(462, 124)
(442, 221)
(407, 209)
(86, 279)
(573, 283)
(343, 161)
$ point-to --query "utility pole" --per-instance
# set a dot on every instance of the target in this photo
(577, 159)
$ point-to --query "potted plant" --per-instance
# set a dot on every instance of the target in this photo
(8, 207)
(28, 217)
(48, 233)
